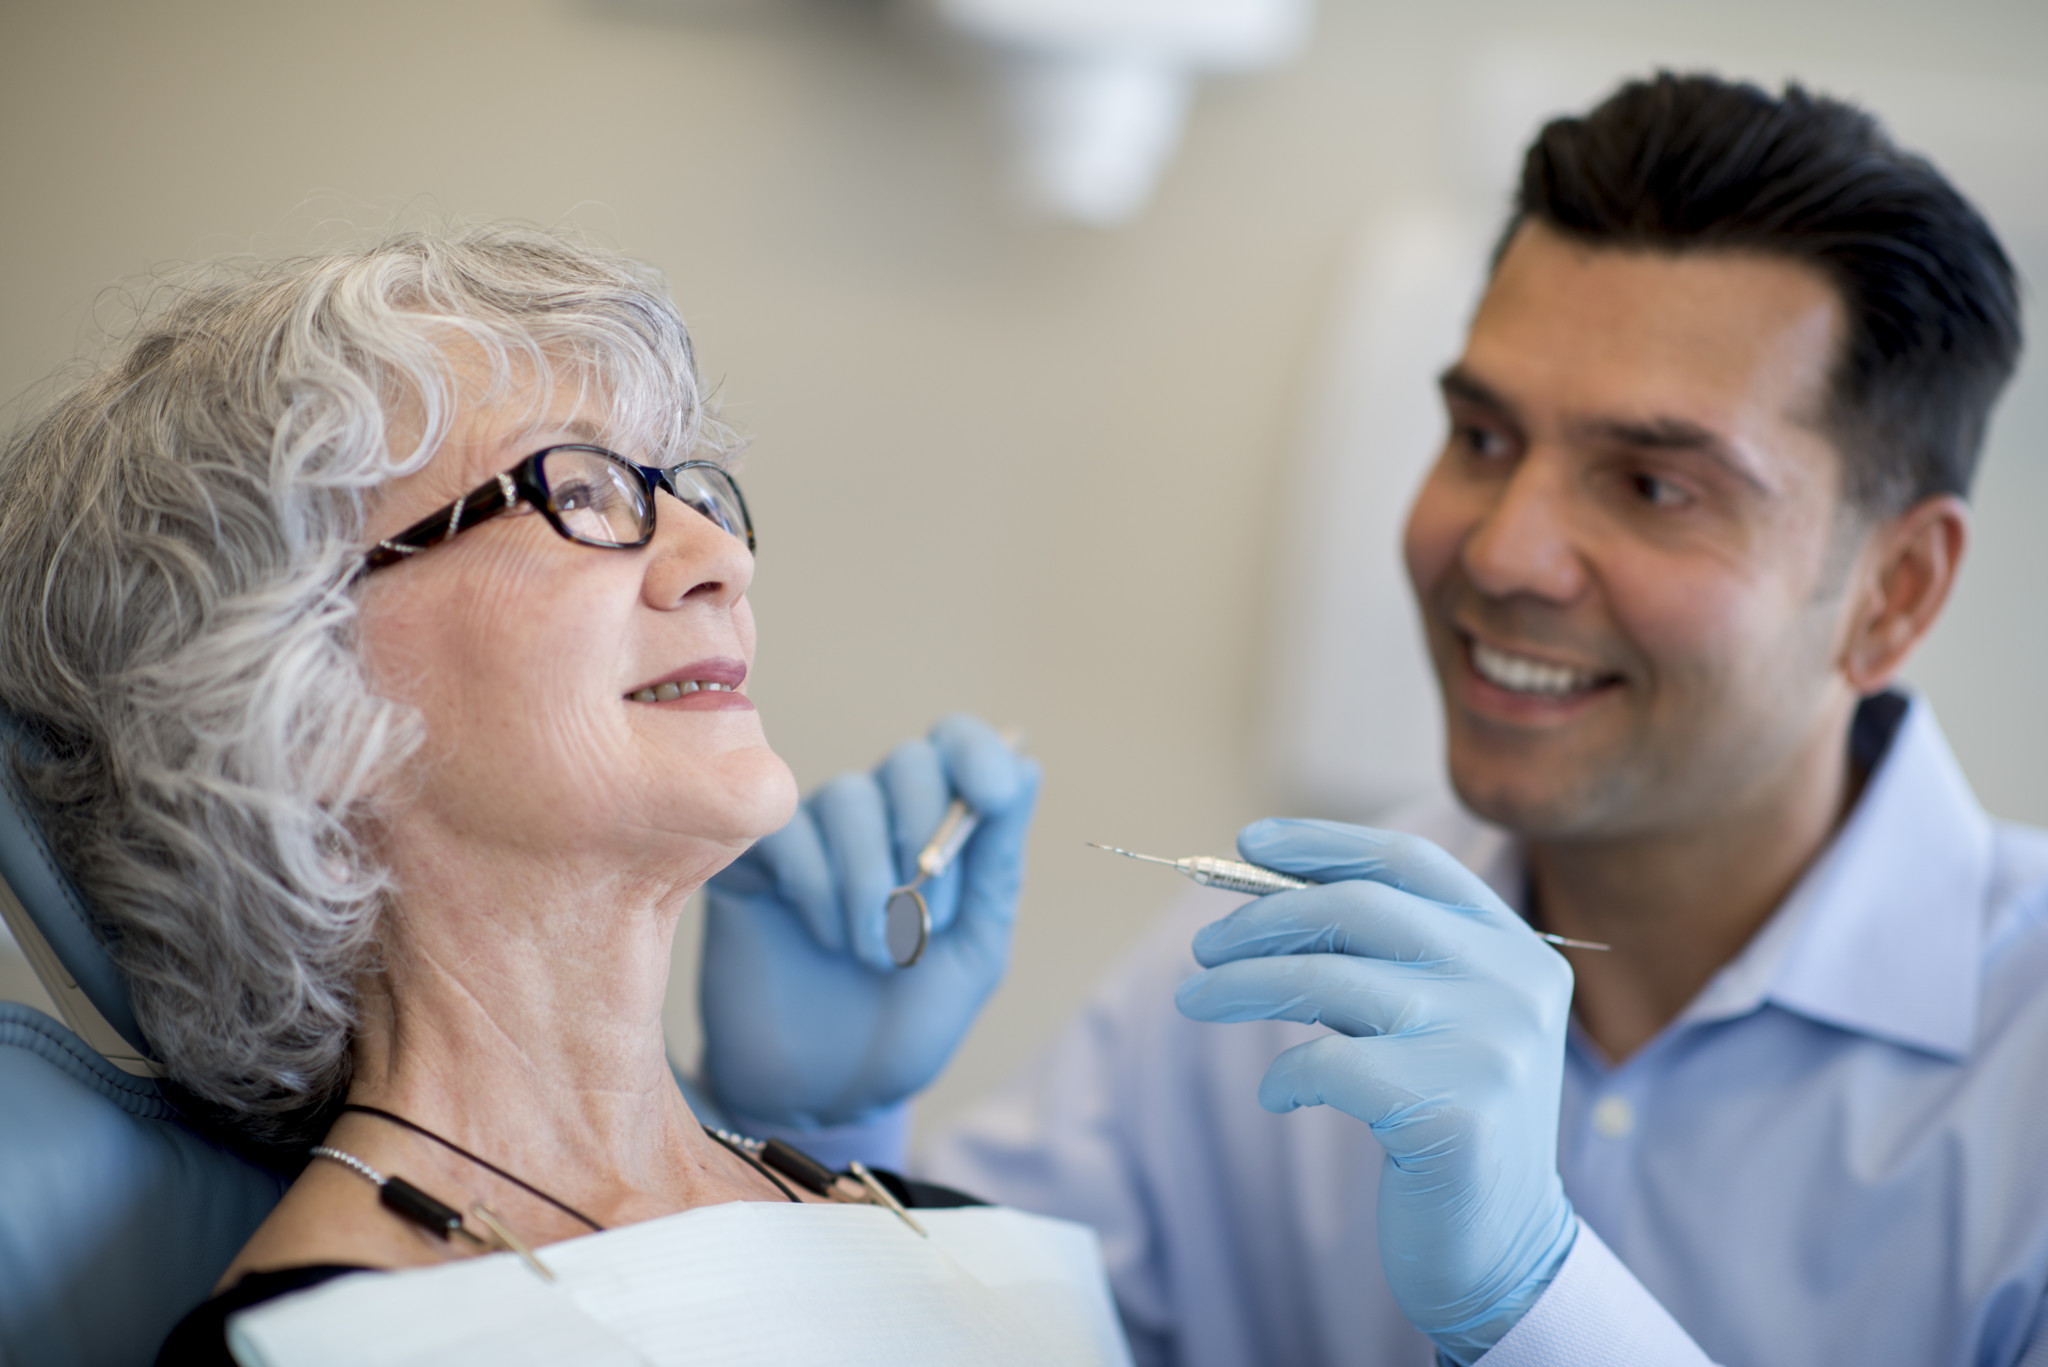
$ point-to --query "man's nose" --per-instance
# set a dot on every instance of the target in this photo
(1527, 542)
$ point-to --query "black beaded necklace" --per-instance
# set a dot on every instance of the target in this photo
(486, 1164)
(765, 1157)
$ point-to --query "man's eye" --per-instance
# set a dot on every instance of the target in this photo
(1659, 492)
(1482, 441)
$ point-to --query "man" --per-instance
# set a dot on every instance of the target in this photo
(1702, 496)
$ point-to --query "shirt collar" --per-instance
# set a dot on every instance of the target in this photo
(1883, 935)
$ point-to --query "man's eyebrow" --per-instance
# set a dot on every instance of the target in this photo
(1460, 383)
(1670, 434)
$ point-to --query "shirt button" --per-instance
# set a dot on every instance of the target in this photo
(1613, 1117)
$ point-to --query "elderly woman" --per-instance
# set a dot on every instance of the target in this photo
(383, 619)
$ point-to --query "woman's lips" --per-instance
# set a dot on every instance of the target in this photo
(704, 686)
(707, 700)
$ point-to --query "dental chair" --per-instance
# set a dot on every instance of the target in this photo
(120, 1206)
(117, 1212)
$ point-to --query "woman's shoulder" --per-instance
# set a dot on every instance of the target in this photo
(201, 1338)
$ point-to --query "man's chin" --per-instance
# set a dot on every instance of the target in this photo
(1531, 799)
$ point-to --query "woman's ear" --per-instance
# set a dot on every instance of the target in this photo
(1909, 566)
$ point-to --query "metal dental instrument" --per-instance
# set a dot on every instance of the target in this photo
(1234, 875)
(907, 926)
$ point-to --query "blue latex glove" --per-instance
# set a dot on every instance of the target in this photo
(807, 1020)
(1449, 1017)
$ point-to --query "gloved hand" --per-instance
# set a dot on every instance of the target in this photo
(1450, 1020)
(807, 1020)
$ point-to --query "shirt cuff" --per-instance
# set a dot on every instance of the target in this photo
(882, 1140)
(1595, 1314)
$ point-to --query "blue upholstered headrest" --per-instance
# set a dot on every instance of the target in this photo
(116, 1215)
(49, 920)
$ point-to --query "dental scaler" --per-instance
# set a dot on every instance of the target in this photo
(1234, 875)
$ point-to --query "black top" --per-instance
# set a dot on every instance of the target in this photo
(201, 1338)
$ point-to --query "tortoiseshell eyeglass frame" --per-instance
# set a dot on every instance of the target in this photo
(522, 487)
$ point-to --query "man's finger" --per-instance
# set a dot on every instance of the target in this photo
(982, 768)
(1332, 852)
(1351, 995)
(992, 865)
(854, 822)
(914, 784)
(793, 864)
(1369, 920)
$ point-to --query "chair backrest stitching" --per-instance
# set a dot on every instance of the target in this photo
(23, 1027)
(39, 841)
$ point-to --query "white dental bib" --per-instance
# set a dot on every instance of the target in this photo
(747, 1282)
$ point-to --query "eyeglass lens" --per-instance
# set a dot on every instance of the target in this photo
(598, 500)
(711, 492)
(604, 503)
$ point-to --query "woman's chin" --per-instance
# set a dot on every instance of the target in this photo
(778, 800)
(725, 801)
(759, 796)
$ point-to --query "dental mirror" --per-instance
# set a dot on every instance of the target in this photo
(909, 926)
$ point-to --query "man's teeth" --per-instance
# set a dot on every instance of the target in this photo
(1520, 674)
(663, 692)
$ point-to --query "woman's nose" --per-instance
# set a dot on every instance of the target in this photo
(1525, 544)
(694, 560)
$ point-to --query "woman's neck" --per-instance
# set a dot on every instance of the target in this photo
(517, 1012)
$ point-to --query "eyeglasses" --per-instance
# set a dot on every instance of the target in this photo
(591, 496)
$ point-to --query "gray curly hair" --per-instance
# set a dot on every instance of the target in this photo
(178, 536)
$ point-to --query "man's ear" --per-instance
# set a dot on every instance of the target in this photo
(1906, 571)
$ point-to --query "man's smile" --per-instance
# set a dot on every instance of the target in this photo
(1517, 687)
(1526, 674)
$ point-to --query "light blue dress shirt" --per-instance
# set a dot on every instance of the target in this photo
(1838, 1154)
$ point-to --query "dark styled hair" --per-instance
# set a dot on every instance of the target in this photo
(1683, 163)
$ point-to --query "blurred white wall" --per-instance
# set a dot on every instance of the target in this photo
(1044, 474)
